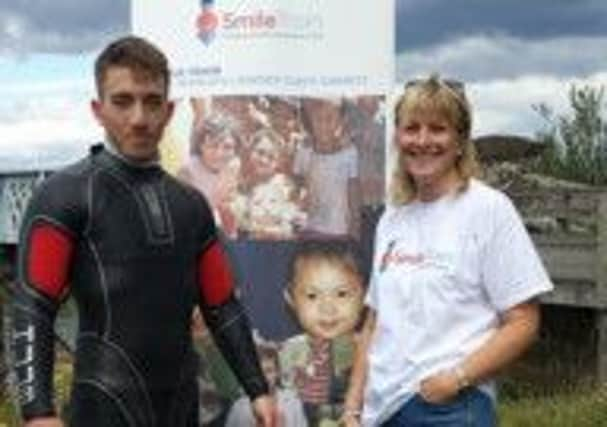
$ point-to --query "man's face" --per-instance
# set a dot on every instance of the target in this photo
(134, 110)
(327, 298)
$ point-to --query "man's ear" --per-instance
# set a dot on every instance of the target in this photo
(170, 110)
(96, 109)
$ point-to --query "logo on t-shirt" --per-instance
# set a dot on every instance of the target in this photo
(394, 257)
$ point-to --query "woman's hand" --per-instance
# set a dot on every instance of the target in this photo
(440, 388)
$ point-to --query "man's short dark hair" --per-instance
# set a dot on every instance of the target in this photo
(135, 53)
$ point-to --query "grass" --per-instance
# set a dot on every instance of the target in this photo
(582, 407)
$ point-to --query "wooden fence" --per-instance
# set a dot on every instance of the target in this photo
(569, 227)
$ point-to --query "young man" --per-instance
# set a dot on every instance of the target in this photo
(137, 250)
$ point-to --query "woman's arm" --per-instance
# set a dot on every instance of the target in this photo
(354, 396)
(518, 329)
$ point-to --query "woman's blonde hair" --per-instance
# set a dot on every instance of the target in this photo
(438, 97)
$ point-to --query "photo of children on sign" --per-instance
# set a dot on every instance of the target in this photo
(295, 184)
(287, 168)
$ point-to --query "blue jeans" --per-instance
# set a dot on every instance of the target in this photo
(471, 408)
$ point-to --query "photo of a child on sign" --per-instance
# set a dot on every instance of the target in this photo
(290, 409)
(325, 293)
(213, 165)
(328, 166)
(267, 206)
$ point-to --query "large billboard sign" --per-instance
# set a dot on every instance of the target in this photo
(280, 123)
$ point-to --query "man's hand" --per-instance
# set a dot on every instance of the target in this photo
(439, 388)
(265, 411)
(44, 422)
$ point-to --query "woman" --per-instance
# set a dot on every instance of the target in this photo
(452, 295)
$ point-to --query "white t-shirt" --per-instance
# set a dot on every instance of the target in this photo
(327, 177)
(442, 273)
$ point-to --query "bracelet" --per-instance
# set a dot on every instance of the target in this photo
(462, 378)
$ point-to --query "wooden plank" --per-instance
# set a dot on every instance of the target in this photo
(574, 263)
(575, 294)
(573, 241)
(561, 211)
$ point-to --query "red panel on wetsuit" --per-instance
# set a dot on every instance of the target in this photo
(215, 276)
(49, 257)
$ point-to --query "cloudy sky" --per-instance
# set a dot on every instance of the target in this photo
(512, 54)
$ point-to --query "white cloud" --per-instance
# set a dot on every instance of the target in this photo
(33, 133)
(505, 106)
(500, 56)
(42, 116)
(12, 26)
(68, 26)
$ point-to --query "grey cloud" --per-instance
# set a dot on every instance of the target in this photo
(60, 26)
(427, 23)
(489, 58)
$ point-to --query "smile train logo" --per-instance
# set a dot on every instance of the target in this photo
(207, 21)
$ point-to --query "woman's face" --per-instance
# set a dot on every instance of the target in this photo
(264, 158)
(217, 150)
(430, 148)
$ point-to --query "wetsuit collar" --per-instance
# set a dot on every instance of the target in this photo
(111, 148)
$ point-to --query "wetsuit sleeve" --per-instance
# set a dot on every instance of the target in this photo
(226, 318)
(46, 250)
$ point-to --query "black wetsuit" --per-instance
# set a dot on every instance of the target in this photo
(129, 243)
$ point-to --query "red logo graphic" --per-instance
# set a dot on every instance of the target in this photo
(206, 24)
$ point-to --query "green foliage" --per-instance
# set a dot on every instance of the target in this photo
(576, 143)
(62, 385)
(7, 414)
